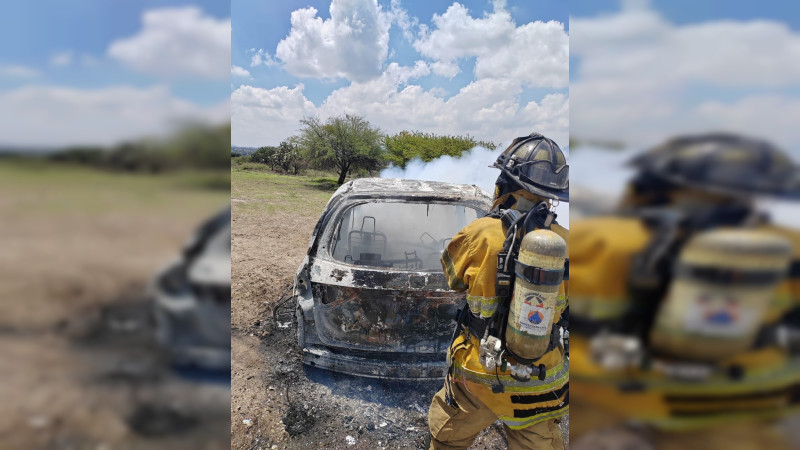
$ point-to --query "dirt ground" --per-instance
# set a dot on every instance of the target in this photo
(80, 366)
(275, 401)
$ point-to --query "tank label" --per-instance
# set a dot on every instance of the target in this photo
(722, 316)
(534, 316)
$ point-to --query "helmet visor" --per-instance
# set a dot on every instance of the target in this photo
(543, 173)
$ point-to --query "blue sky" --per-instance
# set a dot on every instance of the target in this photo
(51, 49)
(269, 99)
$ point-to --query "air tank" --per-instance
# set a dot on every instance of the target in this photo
(539, 272)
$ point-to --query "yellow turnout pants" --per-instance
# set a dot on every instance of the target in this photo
(457, 427)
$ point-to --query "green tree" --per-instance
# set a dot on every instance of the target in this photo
(405, 146)
(343, 143)
(300, 160)
(286, 156)
(265, 155)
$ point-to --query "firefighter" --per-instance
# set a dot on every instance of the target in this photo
(485, 383)
(684, 303)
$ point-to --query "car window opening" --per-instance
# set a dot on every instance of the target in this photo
(397, 235)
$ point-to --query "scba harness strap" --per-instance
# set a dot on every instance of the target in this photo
(537, 275)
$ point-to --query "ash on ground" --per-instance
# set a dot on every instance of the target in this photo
(324, 409)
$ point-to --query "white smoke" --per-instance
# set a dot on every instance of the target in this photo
(472, 167)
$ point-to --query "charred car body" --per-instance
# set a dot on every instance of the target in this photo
(192, 299)
(371, 296)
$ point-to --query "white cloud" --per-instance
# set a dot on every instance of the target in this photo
(438, 92)
(400, 17)
(535, 54)
(352, 44)
(48, 116)
(487, 109)
(17, 71)
(457, 34)
(641, 78)
(267, 116)
(545, 63)
(239, 71)
(177, 42)
(447, 69)
(260, 57)
(62, 59)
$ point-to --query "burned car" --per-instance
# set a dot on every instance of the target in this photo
(192, 299)
(371, 297)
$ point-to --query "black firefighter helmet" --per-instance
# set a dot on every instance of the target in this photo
(536, 164)
(721, 163)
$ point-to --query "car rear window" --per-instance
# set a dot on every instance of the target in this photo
(398, 235)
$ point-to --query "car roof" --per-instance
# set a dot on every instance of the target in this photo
(400, 187)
